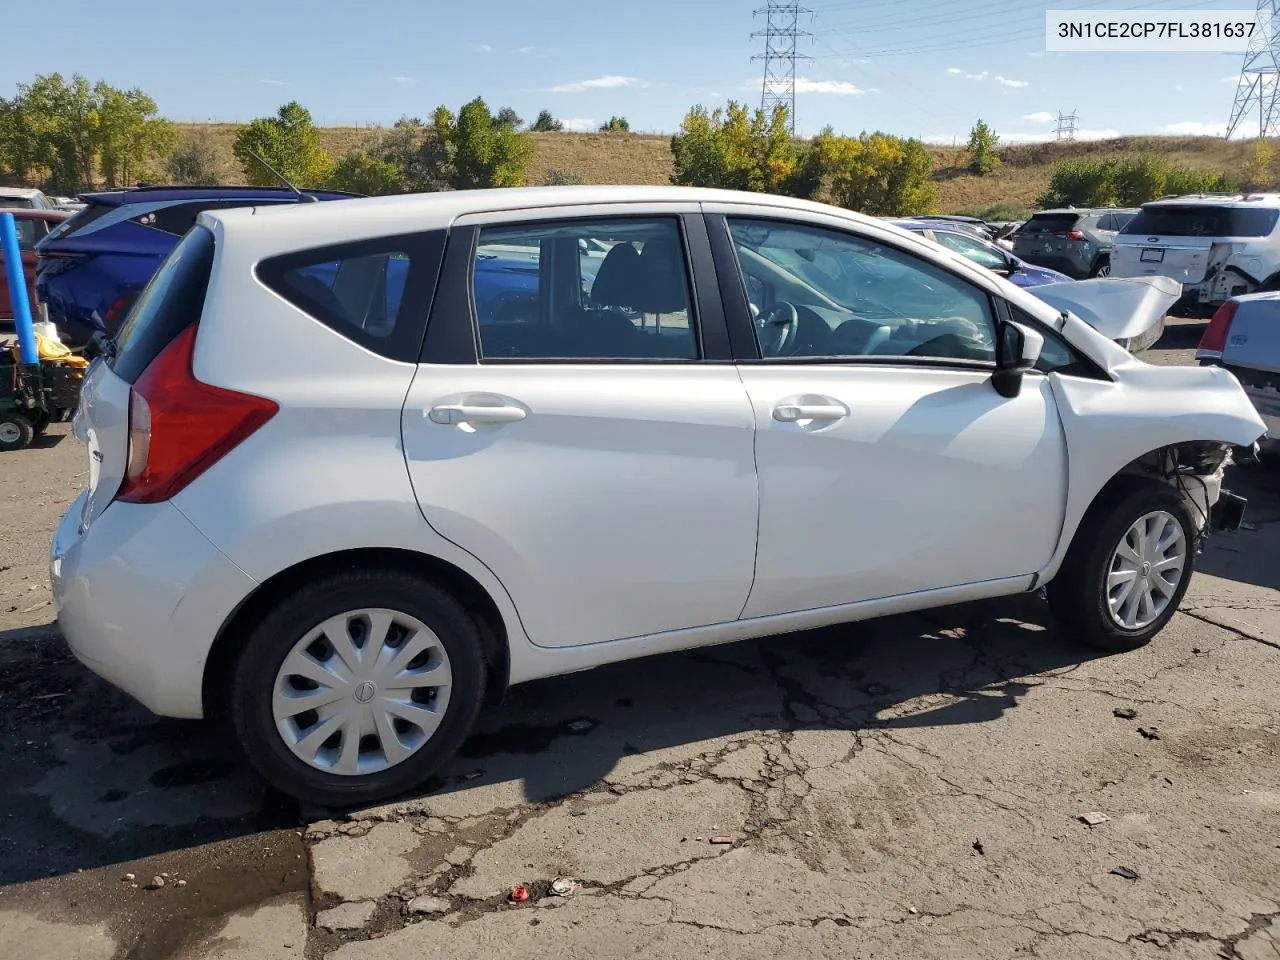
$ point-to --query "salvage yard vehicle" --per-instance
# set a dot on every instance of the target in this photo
(1244, 338)
(984, 253)
(1217, 247)
(348, 524)
(1076, 242)
(33, 225)
(94, 265)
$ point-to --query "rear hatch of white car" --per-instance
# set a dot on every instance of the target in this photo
(129, 395)
(1183, 241)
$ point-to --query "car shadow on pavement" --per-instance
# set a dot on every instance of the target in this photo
(1250, 555)
(89, 778)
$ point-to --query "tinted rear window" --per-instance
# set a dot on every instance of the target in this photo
(79, 220)
(1050, 223)
(170, 303)
(1202, 220)
(16, 203)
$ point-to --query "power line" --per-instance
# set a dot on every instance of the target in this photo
(1259, 85)
(781, 35)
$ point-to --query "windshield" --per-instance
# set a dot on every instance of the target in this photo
(1203, 220)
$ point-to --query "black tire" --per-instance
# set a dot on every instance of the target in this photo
(259, 662)
(16, 431)
(1103, 263)
(40, 424)
(1078, 594)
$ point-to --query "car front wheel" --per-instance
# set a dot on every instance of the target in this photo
(1127, 568)
(357, 687)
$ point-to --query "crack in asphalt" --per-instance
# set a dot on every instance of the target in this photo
(1237, 631)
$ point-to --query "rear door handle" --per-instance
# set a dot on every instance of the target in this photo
(475, 413)
(795, 412)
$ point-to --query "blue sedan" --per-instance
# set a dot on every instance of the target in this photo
(984, 254)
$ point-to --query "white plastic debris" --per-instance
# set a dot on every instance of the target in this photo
(1094, 818)
(564, 887)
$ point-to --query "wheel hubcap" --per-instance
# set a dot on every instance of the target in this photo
(362, 692)
(1146, 568)
(9, 433)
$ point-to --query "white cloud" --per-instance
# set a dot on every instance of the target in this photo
(533, 51)
(842, 87)
(404, 79)
(976, 76)
(1195, 128)
(954, 71)
(482, 48)
(1005, 82)
(610, 82)
(579, 124)
(1042, 116)
(274, 83)
(1023, 137)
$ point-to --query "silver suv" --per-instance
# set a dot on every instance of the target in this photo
(1073, 241)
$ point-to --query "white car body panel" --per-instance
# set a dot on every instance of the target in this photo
(627, 495)
(328, 472)
(853, 510)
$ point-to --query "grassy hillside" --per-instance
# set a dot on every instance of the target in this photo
(646, 159)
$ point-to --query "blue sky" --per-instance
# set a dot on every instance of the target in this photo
(924, 68)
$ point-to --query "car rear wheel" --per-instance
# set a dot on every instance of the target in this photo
(1127, 569)
(1102, 268)
(357, 687)
(16, 431)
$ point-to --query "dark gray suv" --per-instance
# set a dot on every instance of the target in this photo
(1075, 241)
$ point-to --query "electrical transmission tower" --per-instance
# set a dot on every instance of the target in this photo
(1066, 125)
(781, 34)
(1259, 86)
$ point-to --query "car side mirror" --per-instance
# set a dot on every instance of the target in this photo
(1017, 351)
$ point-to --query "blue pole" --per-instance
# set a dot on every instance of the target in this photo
(17, 289)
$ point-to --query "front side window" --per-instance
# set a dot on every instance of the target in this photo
(614, 289)
(822, 293)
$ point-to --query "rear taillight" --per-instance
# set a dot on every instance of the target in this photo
(1075, 235)
(179, 426)
(1214, 340)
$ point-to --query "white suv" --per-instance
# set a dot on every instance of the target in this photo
(327, 498)
(1216, 247)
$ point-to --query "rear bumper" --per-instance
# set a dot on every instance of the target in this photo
(1067, 265)
(140, 597)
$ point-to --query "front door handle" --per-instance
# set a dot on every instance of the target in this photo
(475, 413)
(795, 412)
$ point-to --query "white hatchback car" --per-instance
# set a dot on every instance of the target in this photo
(325, 497)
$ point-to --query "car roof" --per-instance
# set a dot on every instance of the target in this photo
(178, 194)
(23, 192)
(1084, 211)
(415, 212)
(1243, 200)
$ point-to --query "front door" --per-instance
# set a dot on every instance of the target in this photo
(595, 450)
(888, 464)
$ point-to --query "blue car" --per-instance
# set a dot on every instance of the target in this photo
(93, 266)
(984, 254)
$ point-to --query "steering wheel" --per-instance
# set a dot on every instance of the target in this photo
(776, 329)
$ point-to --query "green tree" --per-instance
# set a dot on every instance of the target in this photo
(290, 143)
(64, 134)
(1259, 169)
(615, 125)
(546, 123)
(507, 117)
(472, 151)
(129, 135)
(1081, 183)
(362, 172)
(732, 148)
(880, 175)
(195, 161)
(982, 149)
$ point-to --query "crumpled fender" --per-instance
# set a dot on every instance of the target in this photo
(1120, 308)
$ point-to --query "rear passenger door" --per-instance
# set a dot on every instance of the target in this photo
(577, 423)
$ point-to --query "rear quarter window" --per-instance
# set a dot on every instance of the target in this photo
(376, 293)
(1204, 220)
